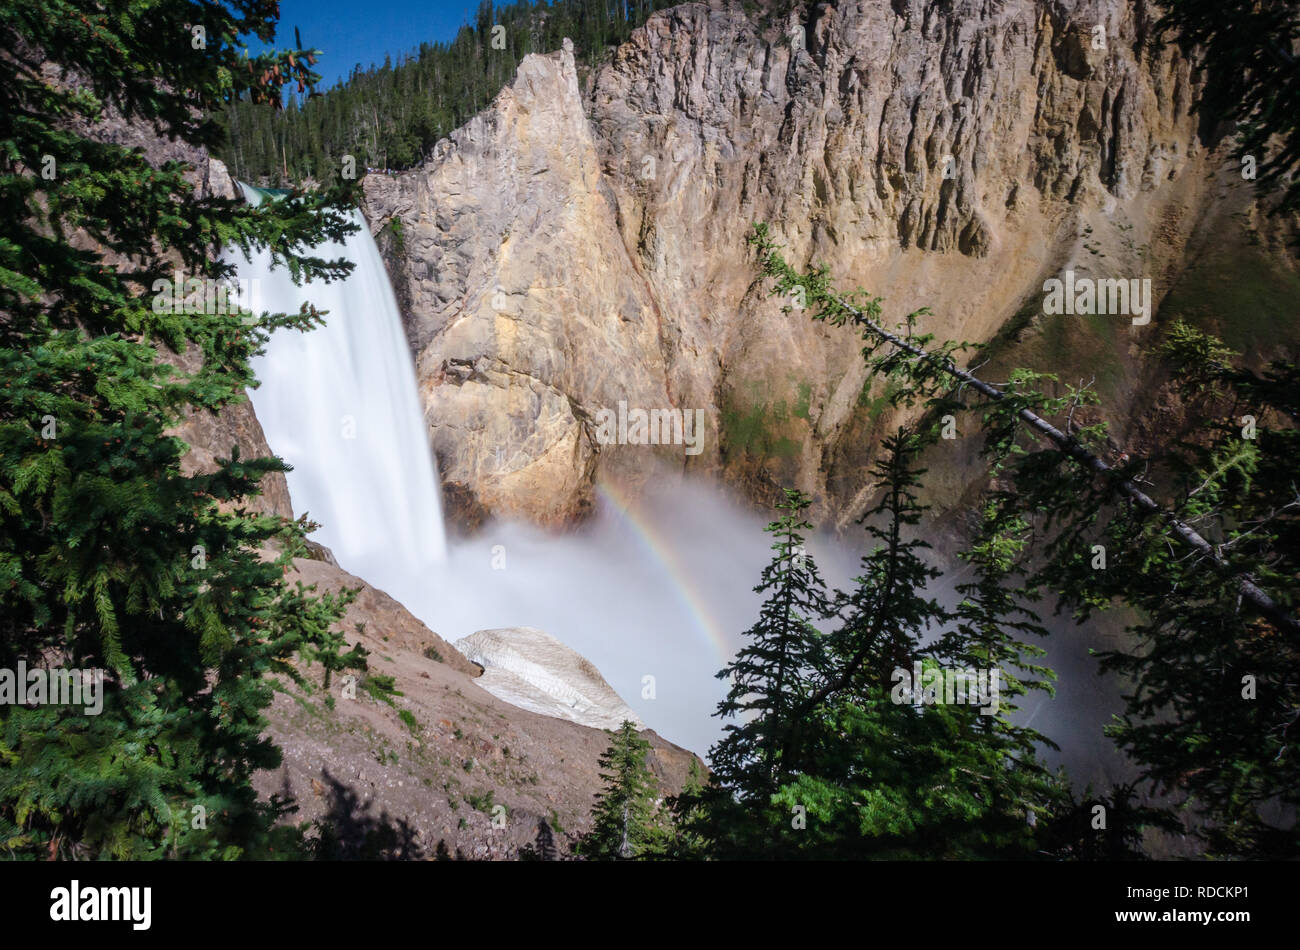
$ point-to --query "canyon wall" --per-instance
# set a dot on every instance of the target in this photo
(582, 241)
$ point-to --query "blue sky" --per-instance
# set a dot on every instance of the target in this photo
(349, 32)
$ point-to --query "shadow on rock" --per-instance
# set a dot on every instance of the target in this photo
(350, 832)
(543, 846)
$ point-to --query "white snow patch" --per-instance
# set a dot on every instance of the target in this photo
(532, 670)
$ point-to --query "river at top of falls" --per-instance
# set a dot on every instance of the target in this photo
(339, 404)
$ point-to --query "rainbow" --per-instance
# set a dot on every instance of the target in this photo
(660, 551)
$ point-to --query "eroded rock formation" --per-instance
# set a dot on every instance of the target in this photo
(581, 241)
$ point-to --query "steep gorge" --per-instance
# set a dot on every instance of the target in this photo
(427, 771)
(581, 242)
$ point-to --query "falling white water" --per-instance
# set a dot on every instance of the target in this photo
(339, 404)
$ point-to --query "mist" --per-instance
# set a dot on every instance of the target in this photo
(656, 590)
(676, 609)
(662, 588)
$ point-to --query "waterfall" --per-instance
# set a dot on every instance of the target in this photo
(340, 405)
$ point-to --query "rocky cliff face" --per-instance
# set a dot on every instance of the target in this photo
(527, 311)
(581, 242)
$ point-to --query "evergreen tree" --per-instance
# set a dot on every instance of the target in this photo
(1215, 709)
(1211, 712)
(769, 677)
(110, 557)
(773, 673)
(863, 769)
(887, 614)
(1210, 564)
(682, 818)
(993, 617)
(892, 780)
(391, 116)
(1105, 828)
(622, 826)
(889, 768)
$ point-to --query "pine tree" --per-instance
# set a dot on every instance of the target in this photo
(1210, 563)
(392, 115)
(682, 818)
(1105, 828)
(832, 763)
(993, 617)
(887, 613)
(884, 775)
(1215, 708)
(773, 673)
(1211, 711)
(621, 825)
(110, 557)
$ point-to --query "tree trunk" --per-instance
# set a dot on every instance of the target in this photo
(623, 849)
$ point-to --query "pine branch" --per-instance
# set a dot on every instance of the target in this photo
(786, 278)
